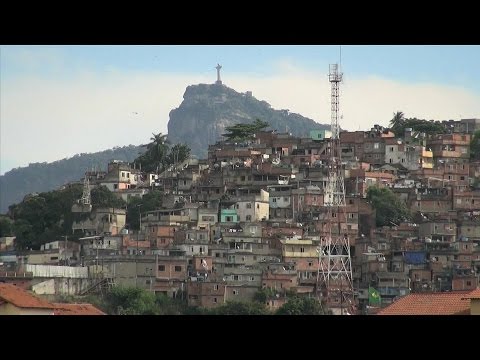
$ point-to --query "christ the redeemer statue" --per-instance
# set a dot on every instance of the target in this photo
(218, 67)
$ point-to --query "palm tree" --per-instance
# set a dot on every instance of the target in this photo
(157, 150)
(397, 120)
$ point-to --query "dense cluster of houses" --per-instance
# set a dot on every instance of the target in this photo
(251, 215)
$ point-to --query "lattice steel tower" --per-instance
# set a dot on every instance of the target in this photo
(334, 278)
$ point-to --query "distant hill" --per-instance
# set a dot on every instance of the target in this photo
(200, 120)
(40, 177)
(207, 109)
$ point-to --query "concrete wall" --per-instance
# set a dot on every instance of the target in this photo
(50, 271)
(474, 306)
(45, 287)
(62, 286)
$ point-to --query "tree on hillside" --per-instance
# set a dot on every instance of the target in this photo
(475, 146)
(301, 306)
(153, 159)
(242, 132)
(397, 122)
(104, 198)
(130, 301)
(159, 155)
(150, 201)
(6, 226)
(177, 154)
(239, 308)
(389, 208)
(44, 217)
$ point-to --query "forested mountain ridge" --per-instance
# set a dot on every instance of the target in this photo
(40, 177)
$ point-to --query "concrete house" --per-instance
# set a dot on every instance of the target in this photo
(17, 301)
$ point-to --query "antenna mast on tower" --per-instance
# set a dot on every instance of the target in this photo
(334, 278)
(86, 199)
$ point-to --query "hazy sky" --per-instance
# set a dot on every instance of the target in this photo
(57, 101)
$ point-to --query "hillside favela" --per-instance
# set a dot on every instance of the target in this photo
(244, 209)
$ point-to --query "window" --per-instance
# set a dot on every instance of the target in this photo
(184, 182)
(248, 218)
(128, 175)
(285, 199)
(161, 267)
(462, 177)
(302, 249)
(251, 278)
(235, 277)
(274, 200)
(258, 206)
(235, 292)
(248, 205)
(376, 146)
(115, 186)
(217, 254)
(469, 283)
(123, 174)
(391, 148)
(178, 268)
(310, 263)
(350, 201)
(214, 300)
(215, 287)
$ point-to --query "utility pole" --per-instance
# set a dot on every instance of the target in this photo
(65, 250)
(138, 235)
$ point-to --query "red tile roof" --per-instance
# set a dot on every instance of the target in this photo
(475, 294)
(445, 303)
(21, 298)
(76, 309)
